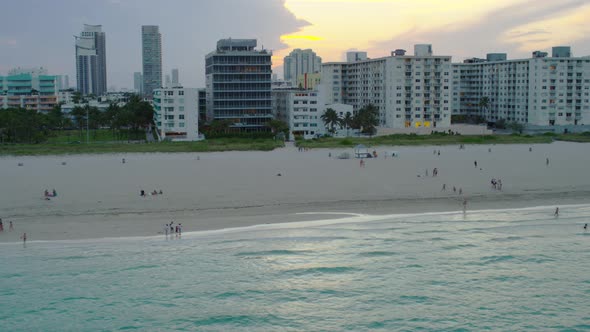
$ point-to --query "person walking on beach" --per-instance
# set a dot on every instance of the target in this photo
(24, 237)
(585, 226)
(444, 188)
(464, 205)
(439, 152)
(166, 229)
(179, 229)
(475, 163)
(547, 162)
(556, 212)
(460, 191)
(1, 226)
(454, 189)
(11, 228)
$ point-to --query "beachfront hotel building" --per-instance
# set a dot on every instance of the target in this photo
(238, 84)
(410, 91)
(300, 62)
(28, 88)
(151, 57)
(176, 113)
(302, 110)
(547, 93)
(91, 60)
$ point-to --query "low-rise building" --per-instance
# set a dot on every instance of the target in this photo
(36, 102)
(176, 113)
(302, 110)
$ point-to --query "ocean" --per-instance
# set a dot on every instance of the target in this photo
(497, 270)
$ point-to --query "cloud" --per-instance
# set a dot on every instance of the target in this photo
(513, 29)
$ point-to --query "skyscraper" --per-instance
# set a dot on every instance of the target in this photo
(238, 83)
(175, 81)
(151, 46)
(301, 62)
(91, 61)
(138, 82)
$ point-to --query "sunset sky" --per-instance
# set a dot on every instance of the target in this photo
(40, 33)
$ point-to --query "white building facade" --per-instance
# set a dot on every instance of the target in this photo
(409, 91)
(176, 113)
(540, 91)
(302, 110)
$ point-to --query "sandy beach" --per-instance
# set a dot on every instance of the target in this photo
(98, 195)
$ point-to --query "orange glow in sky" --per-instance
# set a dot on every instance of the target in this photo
(340, 25)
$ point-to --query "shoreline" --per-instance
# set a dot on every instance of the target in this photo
(98, 196)
(149, 224)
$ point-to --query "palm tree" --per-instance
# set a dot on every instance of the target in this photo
(484, 103)
(347, 122)
(331, 120)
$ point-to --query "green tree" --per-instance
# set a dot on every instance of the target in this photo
(331, 120)
(347, 121)
(483, 104)
(367, 119)
(278, 126)
(76, 97)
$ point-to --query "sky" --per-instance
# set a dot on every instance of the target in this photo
(37, 33)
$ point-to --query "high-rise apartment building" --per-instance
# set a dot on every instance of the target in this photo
(175, 81)
(409, 91)
(238, 84)
(300, 62)
(138, 82)
(151, 46)
(540, 91)
(91, 61)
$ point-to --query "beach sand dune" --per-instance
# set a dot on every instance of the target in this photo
(98, 195)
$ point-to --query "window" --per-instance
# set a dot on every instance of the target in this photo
(181, 93)
(181, 124)
(181, 108)
(181, 117)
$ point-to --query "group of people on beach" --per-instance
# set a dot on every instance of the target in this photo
(171, 229)
(496, 184)
(10, 226)
(455, 190)
(302, 149)
(153, 193)
(48, 194)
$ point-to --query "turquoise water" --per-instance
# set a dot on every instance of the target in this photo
(511, 270)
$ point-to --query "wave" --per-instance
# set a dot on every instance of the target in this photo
(320, 270)
(349, 218)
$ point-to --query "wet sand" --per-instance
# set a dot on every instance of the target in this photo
(98, 196)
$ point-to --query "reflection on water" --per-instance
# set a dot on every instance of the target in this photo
(496, 270)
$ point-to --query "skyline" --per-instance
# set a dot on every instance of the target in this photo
(459, 28)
